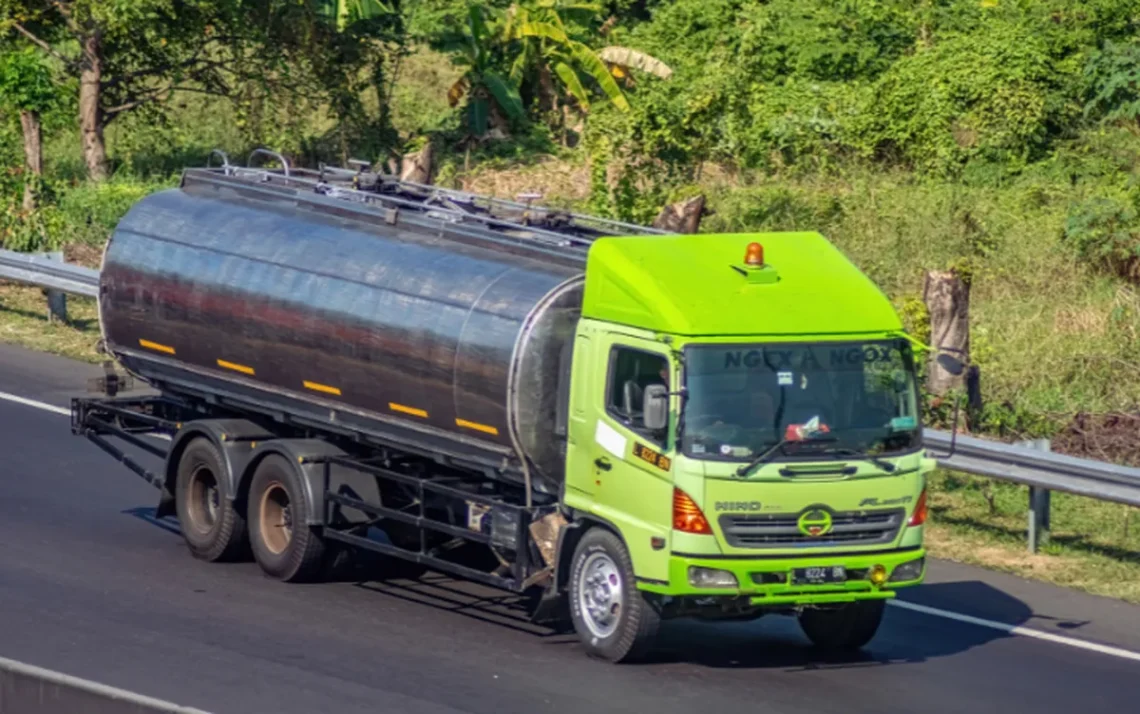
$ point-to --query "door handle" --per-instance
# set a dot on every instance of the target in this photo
(603, 463)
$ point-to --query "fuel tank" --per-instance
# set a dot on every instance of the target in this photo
(308, 310)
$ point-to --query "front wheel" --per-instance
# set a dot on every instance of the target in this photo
(844, 628)
(612, 617)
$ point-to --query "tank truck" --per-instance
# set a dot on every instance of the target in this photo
(622, 424)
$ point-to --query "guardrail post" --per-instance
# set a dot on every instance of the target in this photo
(1039, 501)
(57, 300)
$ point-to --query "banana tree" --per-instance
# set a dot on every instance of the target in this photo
(345, 12)
(542, 44)
(490, 93)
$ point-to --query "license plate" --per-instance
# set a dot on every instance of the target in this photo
(819, 575)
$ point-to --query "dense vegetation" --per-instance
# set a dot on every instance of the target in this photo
(996, 136)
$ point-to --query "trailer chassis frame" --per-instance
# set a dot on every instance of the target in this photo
(134, 419)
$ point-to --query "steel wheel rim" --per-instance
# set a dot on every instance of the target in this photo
(204, 499)
(276, 518)
(600, 595)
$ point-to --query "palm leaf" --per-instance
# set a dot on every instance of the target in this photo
(478, 32)
(593, 66)
(583, 12)
(573, 84)
(540, 29)
(480, 114)
(518, 67)
(631, 58)
(507, 96)
(457, 90)
(345, 12)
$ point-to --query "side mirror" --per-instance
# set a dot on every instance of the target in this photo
(655, 411)
(953, 365)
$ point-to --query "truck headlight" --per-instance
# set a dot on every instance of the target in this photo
(908, 571)
(711, 578)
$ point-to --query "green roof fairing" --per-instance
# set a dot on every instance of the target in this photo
(686, 285)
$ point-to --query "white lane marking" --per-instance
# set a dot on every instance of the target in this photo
(62, 411)
(1019, 630)
(100, 690)
(33, 403)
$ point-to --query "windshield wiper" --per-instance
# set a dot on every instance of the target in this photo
(779, 445)
(884, 465)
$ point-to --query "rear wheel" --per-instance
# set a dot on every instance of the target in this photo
(283, 545)
(612, 617)
(211, 526)
(844, 628)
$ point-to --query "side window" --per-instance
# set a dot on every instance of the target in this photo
(631, 371)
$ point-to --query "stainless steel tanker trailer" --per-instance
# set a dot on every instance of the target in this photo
(393, 320)
(347, 362)
(319, 338)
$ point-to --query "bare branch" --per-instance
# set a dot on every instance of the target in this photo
(43, 45)
(65, 12)
(195, 62)
(158, 94)
(146, 98)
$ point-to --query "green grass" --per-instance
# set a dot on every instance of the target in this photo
(24, 321)
(1092, 545)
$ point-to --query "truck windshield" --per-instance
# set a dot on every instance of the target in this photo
(822, 400)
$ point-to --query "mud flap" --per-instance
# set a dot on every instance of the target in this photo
(552, 609)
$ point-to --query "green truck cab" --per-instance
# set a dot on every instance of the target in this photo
(744, 417)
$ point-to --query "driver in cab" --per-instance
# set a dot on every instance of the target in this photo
(747, 422)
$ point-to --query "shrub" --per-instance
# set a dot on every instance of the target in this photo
(985, 95)
(1105, 231)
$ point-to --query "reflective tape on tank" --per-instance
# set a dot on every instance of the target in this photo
(403, 409)
(477, 426)
(156, 347)
(235, 366)
(318, 387)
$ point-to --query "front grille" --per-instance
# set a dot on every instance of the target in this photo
(780, 530)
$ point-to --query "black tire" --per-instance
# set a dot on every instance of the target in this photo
(633, 633)
(212, 528)
(284, 547)
(845, 628)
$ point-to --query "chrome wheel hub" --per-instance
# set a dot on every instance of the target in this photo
(600, 595)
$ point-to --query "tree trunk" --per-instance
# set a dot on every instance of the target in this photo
(683, 217)
(417, 167)
(90, 112)
(947, 299)
(33, 157)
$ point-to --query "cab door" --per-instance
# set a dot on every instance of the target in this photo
(632, 465)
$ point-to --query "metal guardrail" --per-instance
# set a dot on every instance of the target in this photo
(48, 273)
(1101, 480)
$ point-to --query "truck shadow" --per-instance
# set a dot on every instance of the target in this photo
(772, 642)
(472, 601)
(146, 514)
(905, 636)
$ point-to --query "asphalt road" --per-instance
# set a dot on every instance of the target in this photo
(92, 585)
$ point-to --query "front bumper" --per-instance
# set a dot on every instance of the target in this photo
(767, 581)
